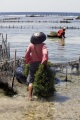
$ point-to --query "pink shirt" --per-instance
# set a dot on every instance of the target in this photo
(37, 52)
(60, 33)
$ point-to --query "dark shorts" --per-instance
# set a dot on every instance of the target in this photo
(32, 70)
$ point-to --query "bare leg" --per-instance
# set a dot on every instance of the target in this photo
(30, 90)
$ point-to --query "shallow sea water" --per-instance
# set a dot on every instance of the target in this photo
(59, 50)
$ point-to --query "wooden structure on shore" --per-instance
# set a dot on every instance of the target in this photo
(4, 48)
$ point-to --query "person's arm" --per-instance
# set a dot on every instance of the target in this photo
(63, 34)
(44, 55)
(27, 54)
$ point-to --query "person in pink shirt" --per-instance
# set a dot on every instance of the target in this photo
(61, 32)
(35, 55)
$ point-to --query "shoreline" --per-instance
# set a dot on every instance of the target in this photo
(64, 105)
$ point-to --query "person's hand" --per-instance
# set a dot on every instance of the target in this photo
(45, 63)
(23, 60)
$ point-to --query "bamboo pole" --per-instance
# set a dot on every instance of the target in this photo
(66, 75)
(79, 65)
(8, 50)
(14, 66)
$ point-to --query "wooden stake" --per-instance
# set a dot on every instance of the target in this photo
(66, 74)
(79, 65)
(14, 66)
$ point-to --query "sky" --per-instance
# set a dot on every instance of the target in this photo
(40, 6)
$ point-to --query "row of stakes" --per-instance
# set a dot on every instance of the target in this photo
(53, 27)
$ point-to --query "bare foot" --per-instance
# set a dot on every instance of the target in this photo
(30, 99)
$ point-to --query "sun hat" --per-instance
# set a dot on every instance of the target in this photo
(38, 38)
(64, 28)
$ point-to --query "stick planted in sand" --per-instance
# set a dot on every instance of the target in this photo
(14, 65)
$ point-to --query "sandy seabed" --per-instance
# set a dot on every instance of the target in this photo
(64, 105)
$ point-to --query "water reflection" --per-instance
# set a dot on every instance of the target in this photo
(61, 41)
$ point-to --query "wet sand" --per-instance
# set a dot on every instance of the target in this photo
(67, 99)
(64, 105)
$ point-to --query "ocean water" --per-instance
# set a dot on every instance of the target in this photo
(20, 26)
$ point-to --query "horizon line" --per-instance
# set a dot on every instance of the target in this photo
(37, 12)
